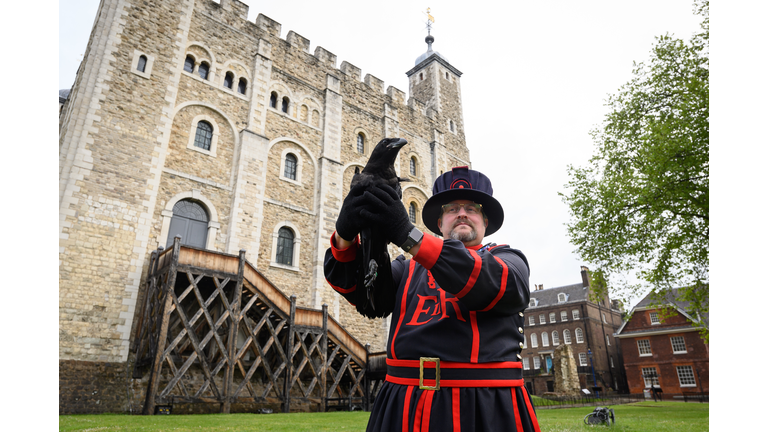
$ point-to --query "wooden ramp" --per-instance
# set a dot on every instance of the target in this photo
(214, 330)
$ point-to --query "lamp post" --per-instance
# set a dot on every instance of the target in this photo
(594, 380)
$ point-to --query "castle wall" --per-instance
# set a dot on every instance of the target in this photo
(127, 155)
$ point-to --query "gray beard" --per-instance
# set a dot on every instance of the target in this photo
(464, 237)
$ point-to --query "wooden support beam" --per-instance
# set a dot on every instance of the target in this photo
(289, 362)
(234, 323)
(324, 350)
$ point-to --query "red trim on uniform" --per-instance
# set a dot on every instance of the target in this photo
(472, 277)
(403, 302)
(456, 408)
(457, 383)
(407, 408)
(427, 411)
(475, 247)
(342, 290)
(429, 251)
(502, 288)
(419, 410)
(494, 247)
(531, 412)
(457, 365)
(518, 421)
(475, 337)
(344, 255)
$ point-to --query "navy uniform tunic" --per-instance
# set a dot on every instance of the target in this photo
(461, 305)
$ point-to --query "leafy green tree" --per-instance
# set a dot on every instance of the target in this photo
(641, 205)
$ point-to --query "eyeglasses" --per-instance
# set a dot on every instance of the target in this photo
(470, 208)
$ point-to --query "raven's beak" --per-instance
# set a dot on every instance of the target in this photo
(397, 144)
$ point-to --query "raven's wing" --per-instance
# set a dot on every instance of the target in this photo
(379, 300)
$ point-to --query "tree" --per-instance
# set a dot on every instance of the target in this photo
(641, 205)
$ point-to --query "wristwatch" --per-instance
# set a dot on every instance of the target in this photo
(414, 237)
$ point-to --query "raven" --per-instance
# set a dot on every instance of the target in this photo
(374, 265)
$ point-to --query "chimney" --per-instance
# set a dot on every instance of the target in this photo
(584, 277)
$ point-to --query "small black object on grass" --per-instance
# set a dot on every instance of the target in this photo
(601, 415)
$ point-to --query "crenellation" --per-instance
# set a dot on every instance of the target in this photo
(325, 56)
(374, 83)
(351, 70)
(298, 41)
(268, 25)
(397, 95)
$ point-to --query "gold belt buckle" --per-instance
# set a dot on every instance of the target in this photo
(436, 361)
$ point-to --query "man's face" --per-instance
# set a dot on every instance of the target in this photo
(466, 227)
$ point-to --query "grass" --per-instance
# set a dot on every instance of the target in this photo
(642, 416)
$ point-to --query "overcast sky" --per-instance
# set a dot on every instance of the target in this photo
(535, 79)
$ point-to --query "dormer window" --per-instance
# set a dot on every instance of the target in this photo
(561, 298)
(654, 318)
(532, 303)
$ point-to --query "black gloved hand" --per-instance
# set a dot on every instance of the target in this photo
(386, 212)
(349, 222)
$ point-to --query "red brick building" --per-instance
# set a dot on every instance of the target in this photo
(567, 315)
(662, 348)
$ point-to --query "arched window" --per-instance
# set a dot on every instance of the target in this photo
(413, 166)
(561, 297)
(607, 340)
(204, 135)
(525, 343)
(189, 64)
(361, 143)
(534, 341)
(421, 76)
(555, 338)
(290, 166)
(303, 113)
(412, 213)
(273, 100)
(284, 253)
(315, 118)
(285, 104)
(357, 170)
(579, 336)
(242, 84)
(544, 339)
(229, 78)
(202, 70)
(190, 221)
(142, 63)
(453, 129)
(567, 337)
(446, 76)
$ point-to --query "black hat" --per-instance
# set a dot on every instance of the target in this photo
(462, 183)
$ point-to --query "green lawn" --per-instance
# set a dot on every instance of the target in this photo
(643, 416)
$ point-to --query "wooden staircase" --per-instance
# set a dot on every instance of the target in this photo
(214, 330)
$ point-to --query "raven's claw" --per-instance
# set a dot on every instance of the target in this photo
(370, 277)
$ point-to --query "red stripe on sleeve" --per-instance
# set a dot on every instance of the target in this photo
(456, 408)
(531, 412)
(344, 255)
(342, 290)
(503, 287)
(475, 337)
(403, 302)
(407, 408)
(473, 277)
(419, 412)
(518, 422)
(427, 411)
(429, 251)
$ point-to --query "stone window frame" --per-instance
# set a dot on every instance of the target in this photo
(196, 195)
(563, 315)
(299, 165)
(579, 333)
(224, 80)
(417, 161)
(686, 379)
(296, 246)
(193, 131)
(366, 141)
(644, 349)
(552, 317)
(413, 205)
(452, 126)
(208, 58)
(681, 340)
(227, 68)
(147, 68)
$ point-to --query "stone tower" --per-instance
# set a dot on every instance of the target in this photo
(283, 131)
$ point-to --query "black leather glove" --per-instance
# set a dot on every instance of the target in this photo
(349, 222)
(387, 213)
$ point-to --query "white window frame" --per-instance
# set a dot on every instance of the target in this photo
(650, 382)
(555, 338)
(544, 339)
(604, 320)
(193, 132)
(296, 246)
(682, 340)
(531, 320)
(526, 364)
(688, 376)
(563, 316)
(575, 314)
(532, 302)
(643, 347)
(607, 340)
(654, 317)
(612, 362)
(583, 359)
(567, 337)
(525, 342)
(579, 335)
(147, 67)
(536, 363)
(542, 319)
(534, 340)
(552, 317)
(299, 163)
(561, 298)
